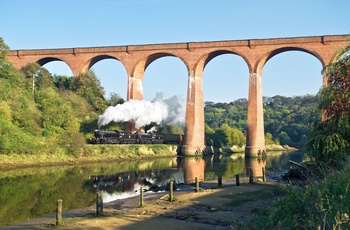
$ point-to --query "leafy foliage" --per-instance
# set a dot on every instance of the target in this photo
(115, 99)
(171, 129)
(287, 119)
(3, 49)
(50, 115)
(323, 204)
(64, 82)
(89, 87)
(336, 96)
(329, 140)
(224, 136)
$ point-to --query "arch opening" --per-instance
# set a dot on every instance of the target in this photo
(56, 66)
(290, 80)
(165, 80)
(112, 75)
(292, 73)
(167, 75)
(225, 78)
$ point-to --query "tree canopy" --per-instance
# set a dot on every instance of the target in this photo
(329, 140)
(287, 119)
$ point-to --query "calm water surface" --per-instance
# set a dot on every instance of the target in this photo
(30, 193)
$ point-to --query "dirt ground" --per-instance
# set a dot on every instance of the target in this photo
(227, 207)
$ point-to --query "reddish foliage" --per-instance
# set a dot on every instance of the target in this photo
(336, 96)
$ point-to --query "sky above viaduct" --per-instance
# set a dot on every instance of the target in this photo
(42, 24)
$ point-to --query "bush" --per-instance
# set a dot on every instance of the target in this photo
(322, 204)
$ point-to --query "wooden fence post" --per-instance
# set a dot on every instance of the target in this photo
(99, 203)
(59, 212)
(237, 180)
(251, 177)
(219, 181)
(264, 174)
(141, 197)
(197, 184)
(171, 192)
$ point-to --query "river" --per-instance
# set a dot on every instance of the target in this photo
(31, 193)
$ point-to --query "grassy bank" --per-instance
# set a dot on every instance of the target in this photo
(95, 153)
(238, 149)
(101, 153)
(323, 203)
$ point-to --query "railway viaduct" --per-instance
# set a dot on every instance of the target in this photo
(195, 56)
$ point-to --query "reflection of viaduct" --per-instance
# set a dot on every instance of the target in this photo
(195, 56)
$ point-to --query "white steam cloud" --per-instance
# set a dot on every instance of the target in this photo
(160, 111)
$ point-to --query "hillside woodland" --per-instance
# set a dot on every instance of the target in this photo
(287, 120)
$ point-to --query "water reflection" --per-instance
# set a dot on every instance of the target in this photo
(32, 192)
(255, 166)
(193, 167)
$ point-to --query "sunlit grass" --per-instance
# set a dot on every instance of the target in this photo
(95, 153)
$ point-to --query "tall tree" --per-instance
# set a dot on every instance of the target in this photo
(3, 49)
(37, 77)
(89, 87)
(115, 99)
(330, 139)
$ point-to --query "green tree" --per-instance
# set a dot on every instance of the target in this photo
(30, 69)
(54, 112)
(43, 79)
(37, 77)
(268, 139)
(209, 135)
(171, 129)
(115, 99)
(89, 87)
(64, 82)
(3, 49)
(19, 118)
(287, 119)
(230, 136)
(329, 140)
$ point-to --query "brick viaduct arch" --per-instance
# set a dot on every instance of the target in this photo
(195, 56)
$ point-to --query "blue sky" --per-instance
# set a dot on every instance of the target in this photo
(44, 24)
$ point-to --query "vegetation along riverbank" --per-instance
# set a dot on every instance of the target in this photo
(97, 153)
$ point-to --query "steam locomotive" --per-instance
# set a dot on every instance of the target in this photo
(121, 137)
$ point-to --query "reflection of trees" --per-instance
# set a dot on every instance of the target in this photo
(278, 161)
(225, 166)
(234, 167)
(31, 196)
(32, 192)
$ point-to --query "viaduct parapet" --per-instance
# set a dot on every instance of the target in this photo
(195, 56)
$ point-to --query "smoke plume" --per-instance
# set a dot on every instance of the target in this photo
(160, 111)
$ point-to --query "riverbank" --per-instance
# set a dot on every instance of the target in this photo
(95, 154)
(107, 153)
(227, 207)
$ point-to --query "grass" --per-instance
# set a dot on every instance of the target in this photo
(271, 192)
(321, 204)
(94, 153)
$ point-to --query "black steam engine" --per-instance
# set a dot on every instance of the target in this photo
(121, 137)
